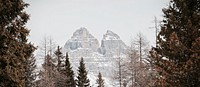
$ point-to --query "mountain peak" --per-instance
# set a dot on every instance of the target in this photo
(110, 36)
(82, 33)
(82, 29)
(82, 39)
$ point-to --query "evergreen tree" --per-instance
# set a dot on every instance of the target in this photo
(83, 81)
(60, 77)
(59, 56)
(69, 73)
(100, 81)
(66, 75)
(14, 49)
(177, 54)
(30, 74)
(48, 73)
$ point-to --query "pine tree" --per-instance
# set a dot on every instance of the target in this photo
(83, 81)
(60, 77)
(30, 74)
(69, 73)
(48, 73)
(100, 81)
(14, 49)
(65, 78)
(177, 54)
(59, 56)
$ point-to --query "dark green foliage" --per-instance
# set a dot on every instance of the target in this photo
(59, 57)
(60, 77)
(30, 74)
(69, 73)
(100, 81)
(177, 55)
(82, 80)
(14, 49)
(66, 75)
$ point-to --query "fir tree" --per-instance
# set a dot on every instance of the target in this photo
(177, 54)
(83, 81)
(65, 77)
(60, 77)
(59, 57)
(100, 81)
(69, 73)
(14, 49)
(30, 74)
(48, 73)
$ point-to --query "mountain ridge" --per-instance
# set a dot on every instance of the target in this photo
(81, 38)
(98, 57)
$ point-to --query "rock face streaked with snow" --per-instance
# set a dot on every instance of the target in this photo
(112, 45)
(82, 43)
(97, 58)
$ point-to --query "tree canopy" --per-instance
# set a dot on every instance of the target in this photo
(177, 54)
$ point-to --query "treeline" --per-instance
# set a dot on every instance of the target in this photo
(57, 72)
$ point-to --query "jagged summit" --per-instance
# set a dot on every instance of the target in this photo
(112, 45)
(82, 39)
(82, 33)
(110, 36)
(97, 58)
(85, 44)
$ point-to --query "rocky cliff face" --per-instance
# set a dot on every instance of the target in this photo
(82, 43)
(97, 58)
(111, 45)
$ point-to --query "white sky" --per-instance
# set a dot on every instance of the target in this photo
(60, 18)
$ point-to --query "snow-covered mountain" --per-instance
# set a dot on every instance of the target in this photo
(97, 58)
(112, 45)
(82, 43)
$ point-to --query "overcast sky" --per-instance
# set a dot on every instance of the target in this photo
(60, 18)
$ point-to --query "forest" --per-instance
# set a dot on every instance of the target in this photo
(174, 61)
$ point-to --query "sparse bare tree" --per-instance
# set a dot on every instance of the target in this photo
(47, 47)
(48, 73)
(137, 67)
(45, 51)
